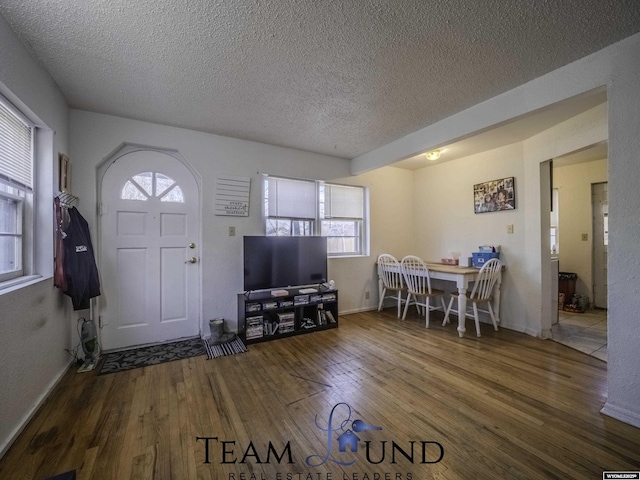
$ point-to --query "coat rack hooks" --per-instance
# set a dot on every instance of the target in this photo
(67, 200)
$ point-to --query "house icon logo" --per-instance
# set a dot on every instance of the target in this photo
(342, 429)
(348, 439)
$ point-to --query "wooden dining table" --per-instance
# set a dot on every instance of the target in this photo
(462, 277)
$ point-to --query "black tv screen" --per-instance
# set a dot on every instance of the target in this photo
(278, 262)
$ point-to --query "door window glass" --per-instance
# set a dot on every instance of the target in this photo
(152, 185)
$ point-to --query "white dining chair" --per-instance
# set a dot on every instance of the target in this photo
(481, 294)
(393, 285)
(416, 276)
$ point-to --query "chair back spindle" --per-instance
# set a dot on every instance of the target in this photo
(416, 274)
(391, 272)
(487, 277)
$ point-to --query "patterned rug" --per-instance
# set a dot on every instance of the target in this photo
(152, 355)
(228, 348)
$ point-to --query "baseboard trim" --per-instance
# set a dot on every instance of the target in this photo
(6, 445)
(622, 414)
(357, 310)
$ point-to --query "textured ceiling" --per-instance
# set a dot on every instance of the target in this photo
(336, 77)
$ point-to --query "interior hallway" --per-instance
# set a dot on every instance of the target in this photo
(586, 332)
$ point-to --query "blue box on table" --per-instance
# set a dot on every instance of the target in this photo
(479, 258)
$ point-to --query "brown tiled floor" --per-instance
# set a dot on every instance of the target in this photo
(586, 332)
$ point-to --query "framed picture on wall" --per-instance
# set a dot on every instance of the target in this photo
(64, 173)
(494, 196)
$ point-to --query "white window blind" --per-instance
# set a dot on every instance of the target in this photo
(343, 202)
(16, 142)
(291, 198)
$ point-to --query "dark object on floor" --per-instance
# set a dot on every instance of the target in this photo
(222, 349)
(573, 308)
(152, 355)
(218, 335)
(64, 476)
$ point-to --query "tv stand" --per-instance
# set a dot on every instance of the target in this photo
(263, 317)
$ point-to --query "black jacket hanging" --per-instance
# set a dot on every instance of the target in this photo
(79, 262)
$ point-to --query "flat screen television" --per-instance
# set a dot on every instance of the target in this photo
(279, 262)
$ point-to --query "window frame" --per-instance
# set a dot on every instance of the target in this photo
(25, 197)
(358, 221)
(554, 231)
(317, 225)
(18, 236)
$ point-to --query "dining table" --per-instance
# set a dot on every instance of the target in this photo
(462, 277)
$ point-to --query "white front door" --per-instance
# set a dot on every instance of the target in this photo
(149, 251)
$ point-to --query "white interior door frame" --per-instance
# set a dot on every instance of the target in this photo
(126, 149)
(600, 211)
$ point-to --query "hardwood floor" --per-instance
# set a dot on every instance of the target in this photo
(505, 405)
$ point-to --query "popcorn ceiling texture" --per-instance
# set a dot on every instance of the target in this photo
(333, 77)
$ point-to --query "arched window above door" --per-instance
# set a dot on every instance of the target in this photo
(147, 185)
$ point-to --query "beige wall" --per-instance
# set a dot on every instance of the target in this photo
(445, 220)
(392, 231)
(575, 219)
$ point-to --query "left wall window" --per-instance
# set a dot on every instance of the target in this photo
(16, 189)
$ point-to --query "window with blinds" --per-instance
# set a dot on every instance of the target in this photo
(16, 186)
(342, 213)
(306, 207)
(290, 206)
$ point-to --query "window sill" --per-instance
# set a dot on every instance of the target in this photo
(20, 282)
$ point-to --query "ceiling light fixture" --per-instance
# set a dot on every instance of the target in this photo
(433, 155)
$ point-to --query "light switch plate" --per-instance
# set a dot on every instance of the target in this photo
(232, 231)
(510, 228)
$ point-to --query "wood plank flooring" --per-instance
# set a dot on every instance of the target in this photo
(505, 405)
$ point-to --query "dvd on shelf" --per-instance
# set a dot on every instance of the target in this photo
(301, 300)
(253, 307)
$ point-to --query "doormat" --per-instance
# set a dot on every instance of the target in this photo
(228, 348)
(151, 355)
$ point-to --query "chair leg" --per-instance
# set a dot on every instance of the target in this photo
(447, 311)
(477, 318)
(384, 290)
(427, 307)
(406, 307)
(493, 317)
(400, 301)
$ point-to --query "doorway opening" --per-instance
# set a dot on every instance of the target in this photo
(581, 238)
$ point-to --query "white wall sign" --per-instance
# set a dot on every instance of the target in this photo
(232, 196)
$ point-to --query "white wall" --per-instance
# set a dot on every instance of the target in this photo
(34, 319)
(624, 231)
(95, 136)
(575, 218)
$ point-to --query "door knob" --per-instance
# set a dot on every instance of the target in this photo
(192, 245)
(192, 260)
